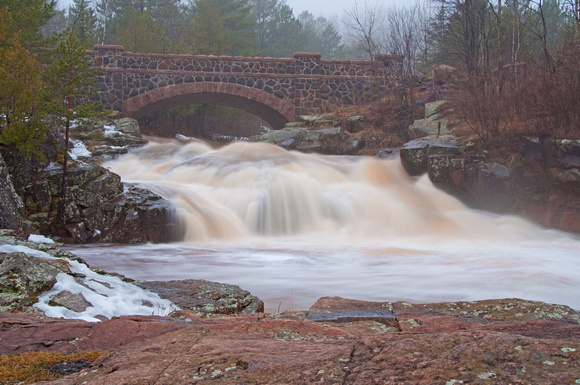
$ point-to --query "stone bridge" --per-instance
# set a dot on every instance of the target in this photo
(276, 89)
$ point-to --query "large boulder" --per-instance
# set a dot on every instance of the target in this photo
(100, 208)
(415, 154)
(206, 297)
(457, 170)
(439, 120)
(23, 278)
(136, 216)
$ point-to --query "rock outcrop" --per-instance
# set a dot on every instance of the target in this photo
(109, 139)
(320, 135)
(494, 341)
(12, 213)
(99, 208)
(458, 170)
(26, 275)
(23, 278)
(539, 180)
(439, 120)
(205, 296)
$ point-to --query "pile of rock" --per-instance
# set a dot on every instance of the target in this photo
(319, 134)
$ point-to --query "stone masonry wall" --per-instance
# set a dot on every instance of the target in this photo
(305, 81)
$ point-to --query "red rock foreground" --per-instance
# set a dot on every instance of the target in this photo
(338, 341)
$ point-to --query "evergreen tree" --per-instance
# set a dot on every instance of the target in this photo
(284, 36)
(83, 22)
(208, 30)
(141, 33)
(238, 24)
(20, 83)
(320, 35)
(262, 12)
(69, 80)
(28, 16)
(169, 19)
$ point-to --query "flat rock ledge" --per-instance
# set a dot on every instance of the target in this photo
(338, 341)
(205, 296)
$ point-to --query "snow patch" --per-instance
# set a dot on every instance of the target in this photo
(79, 150)
(111, 130)
(109, 296)
(39, 238)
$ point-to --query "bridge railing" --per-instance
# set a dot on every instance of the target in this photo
(307, 64)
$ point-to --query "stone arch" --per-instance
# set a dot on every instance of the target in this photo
(276, 112)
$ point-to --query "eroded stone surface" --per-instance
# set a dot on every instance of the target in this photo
(23, 278)
(485, 342)
(205, 296)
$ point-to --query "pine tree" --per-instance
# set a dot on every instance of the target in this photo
(83, 22)
(20, 82)
(208, 31)
(69, 80)
(28, 16)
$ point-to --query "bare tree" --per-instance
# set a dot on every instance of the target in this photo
(539, 28)
(363, 26)
(406, 34)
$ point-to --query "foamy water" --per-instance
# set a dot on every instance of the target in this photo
(293, 227)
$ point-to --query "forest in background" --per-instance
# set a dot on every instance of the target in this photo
(515, 63)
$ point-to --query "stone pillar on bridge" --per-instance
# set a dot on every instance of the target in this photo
(110, 81)
(306, 84)
(307, 63)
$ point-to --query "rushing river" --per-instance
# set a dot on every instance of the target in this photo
(293, 227)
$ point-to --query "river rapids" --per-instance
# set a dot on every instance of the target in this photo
(293, 227)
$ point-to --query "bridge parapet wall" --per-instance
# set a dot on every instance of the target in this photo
(305, 81)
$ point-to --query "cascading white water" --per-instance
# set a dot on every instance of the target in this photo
(292, 227)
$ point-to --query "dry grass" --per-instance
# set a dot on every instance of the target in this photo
(32, 367)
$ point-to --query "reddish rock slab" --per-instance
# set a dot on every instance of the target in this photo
(487, 342)
(23, 332)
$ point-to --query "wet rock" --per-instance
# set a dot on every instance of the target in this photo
(70, 367)
(415, 154)
(389, 153)
(137, 216)
(12, 212)
(304, 136)
(354, 124)
(99, 208)
(206, 297)
(23, 278)
(21, 332)
(75, 302)
(438, 121)
(486, 186)
(336, 309)
(490, 186)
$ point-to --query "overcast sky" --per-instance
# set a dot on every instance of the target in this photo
(326, 8)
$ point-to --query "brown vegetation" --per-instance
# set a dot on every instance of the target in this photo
(523, 100)
(32, 367)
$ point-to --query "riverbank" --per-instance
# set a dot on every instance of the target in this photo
(338, 341)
